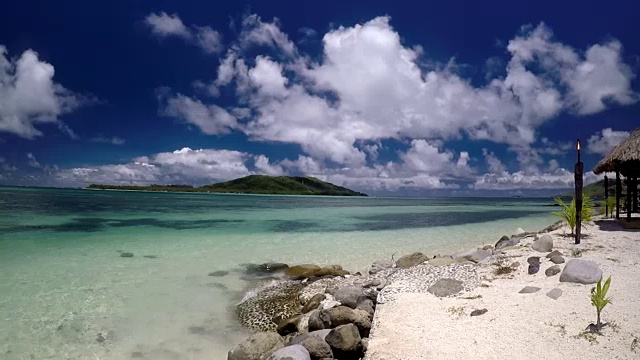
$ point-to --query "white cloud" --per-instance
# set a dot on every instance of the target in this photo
(29, 96)
(184, 166)
(164, 25)
(494, 164)
(602, 142)
(556, 179)
(114, 140)
(32, 161)
(369, 86)
(263, 166)
(211, 119)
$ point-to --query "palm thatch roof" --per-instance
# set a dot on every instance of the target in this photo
(624, 158)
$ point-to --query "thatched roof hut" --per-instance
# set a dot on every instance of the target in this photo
(624, 158)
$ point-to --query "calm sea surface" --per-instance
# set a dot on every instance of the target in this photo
(65, 292)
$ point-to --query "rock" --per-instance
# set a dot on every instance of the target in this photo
(367, 305)
(126, 254)
(299, 272)
(380, 265)
(150, 256)
(372, 294)
(519, 231)
(350, 296)
(371, 283)
(343, 315)
(581, 272)
(382, 285)
(270, 305)
(555, 293)
(414, 259)
(257, 347)
(533, 260)
(479, 312)
(443, 261)
(553, 253)
(319, 320)
(515, 265)
(293, 352)
(487, 247)
(331, 270)
(479, 255)
(529, 290)
(557, 259)
(319, 333)
(533, 269)
(445, 287)
(345, 341)
(317, 347)
(506, 241)
(328, 304)
(313, 303)
(289, 326)
(552, 271)
(219, 273)
(365, 344)
(543, 244)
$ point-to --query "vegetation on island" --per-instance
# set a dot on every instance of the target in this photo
(253, 184)
(568, 212)
(596, 189)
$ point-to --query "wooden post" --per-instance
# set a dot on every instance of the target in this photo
(635, 194)
(606, 195)
(579, 169)
(618, 191)
(629, 191)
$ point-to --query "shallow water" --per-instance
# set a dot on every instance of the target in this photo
(65, 292)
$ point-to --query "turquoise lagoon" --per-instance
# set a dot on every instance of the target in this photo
(65, 292)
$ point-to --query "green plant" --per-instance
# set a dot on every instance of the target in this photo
(568, 212)
(599, 299)
(610, 203)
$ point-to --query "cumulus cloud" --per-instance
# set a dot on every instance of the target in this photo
(555, 179)
(164, 25)
(369, 86)
(210, 119)
(602, 142)
(29, 96)
(32, 161)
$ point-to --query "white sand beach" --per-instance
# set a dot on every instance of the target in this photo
(412, 326)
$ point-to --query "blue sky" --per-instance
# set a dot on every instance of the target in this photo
(457, 97)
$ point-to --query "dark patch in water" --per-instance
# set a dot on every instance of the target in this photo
(294, 226)
(219, 273)
(423, 220)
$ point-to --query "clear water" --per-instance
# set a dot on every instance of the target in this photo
(63, 282)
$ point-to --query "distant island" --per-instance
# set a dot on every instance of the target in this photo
(252, 184)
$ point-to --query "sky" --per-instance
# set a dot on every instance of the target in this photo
(399, 98)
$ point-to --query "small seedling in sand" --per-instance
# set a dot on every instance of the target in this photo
(634, 344)
(504, 270)
(599, 300)
(485, 285)
(456, 310)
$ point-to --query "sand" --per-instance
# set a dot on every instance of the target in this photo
(410, 325)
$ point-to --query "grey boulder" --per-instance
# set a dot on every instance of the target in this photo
(529, 290)
(380, 265)
(366, 305)
(557, 259)
(553, 253)
(479, 255)
(313, 303)
(552, 271)
(555, 293)
(343, 315)
(319, 320)
(411, 260)
(317, 347)
(350, 296)
(506, 241)
(543, 244)
(321, 334)
(581, 272)
(293, 352)
(345, 342)
(257, 347)
(445, 287)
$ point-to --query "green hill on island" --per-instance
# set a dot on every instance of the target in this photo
(252, 184)
(596, 189)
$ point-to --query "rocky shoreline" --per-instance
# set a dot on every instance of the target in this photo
(310, 312)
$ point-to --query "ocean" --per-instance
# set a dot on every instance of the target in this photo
(67, 293)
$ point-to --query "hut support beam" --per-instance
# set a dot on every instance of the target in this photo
(635, 194)
(618, 191)
(628, 202)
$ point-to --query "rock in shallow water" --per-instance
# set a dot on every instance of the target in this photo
(270, 306)
(257, 347)
(293, 352)
(126, 254)
(219, 273)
